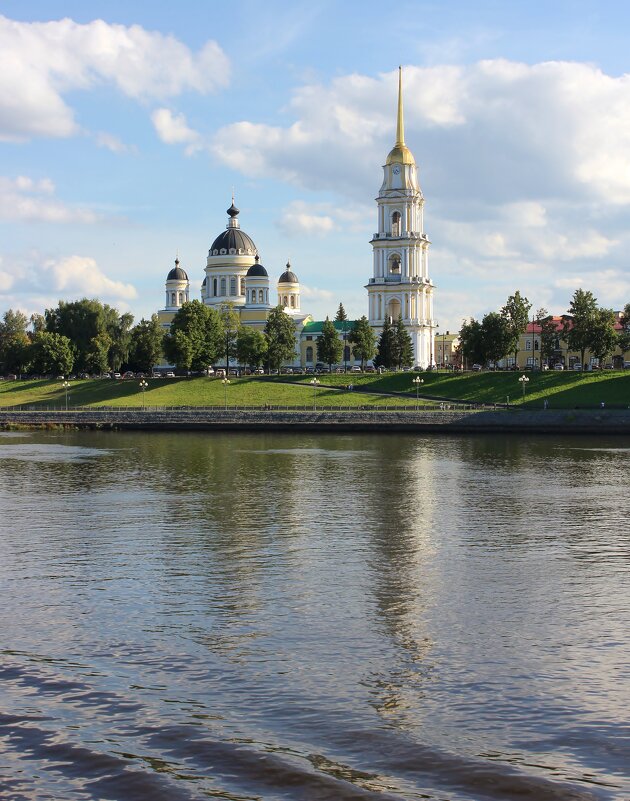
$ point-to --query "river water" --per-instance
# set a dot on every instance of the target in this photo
(253, 616)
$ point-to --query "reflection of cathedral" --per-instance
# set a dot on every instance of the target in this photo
(400, 285)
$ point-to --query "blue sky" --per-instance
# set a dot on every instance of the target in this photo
(125, 126)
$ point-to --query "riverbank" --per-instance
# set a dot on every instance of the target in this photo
(453, 421)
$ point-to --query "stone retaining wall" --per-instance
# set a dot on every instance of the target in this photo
(451, 421)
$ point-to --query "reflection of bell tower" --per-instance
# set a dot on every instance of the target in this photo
(400, 284)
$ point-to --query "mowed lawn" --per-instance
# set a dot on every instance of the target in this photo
(562, 390)
(184, 392)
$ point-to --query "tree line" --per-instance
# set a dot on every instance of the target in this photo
(586, 327)
(87, 336)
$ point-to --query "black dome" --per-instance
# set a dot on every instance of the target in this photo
(288, 276)
(177, 274)
(232, 238)
(257, 270)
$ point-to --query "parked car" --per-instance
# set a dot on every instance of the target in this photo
(370, 368)
(128, 374)
(626, 365)
(558, 366)
(355, 368)
(476, 368)
(259, 371)
(219, 373)
(170, 374)
(116, 375)
(577, 366)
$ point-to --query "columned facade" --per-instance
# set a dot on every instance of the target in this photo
(400, 283)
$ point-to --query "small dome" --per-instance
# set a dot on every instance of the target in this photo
(400, 154)
(257, 269)
(177, 274)
(288, 276)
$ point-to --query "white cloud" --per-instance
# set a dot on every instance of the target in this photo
(48, 60)
(173, 130)
(111, 142)
(23, 199)
(495, 130)
(80, 275)
(301, 218)
(315, 293)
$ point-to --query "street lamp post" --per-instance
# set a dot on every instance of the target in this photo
(225, 382)
(65, 385)
(418, 382)
(314, 383)
(143, 386)
(523, 381)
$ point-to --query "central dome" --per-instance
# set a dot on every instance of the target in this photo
(233, 241)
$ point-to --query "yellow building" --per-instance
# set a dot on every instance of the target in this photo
(445, 353)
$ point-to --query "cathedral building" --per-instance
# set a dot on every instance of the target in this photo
(399, 286)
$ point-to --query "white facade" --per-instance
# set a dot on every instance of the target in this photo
(400, 283)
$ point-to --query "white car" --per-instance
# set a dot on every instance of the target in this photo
(558, 366)
(170, 374)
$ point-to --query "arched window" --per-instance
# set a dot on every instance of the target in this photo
(214, 284)
(284, 301)
(233, 286)
(393, 264)
(396, 224)
(293, 301)
(173, 299)
(181, 298)
(309, 354)
(261, 296)
(242, 286)
(223, 291)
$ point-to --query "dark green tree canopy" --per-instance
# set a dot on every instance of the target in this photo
(195, 340)
(363, 340)
(387, 348)
(51, 354)
(251, 346)
(329, 346)
(146, 345)
(404, 345)
(280, 333)
(341, 314)
(579, 326)
(516, 316)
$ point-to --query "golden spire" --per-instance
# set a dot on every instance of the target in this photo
(400, 153)
(400, 126)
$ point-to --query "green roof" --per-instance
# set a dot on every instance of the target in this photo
(315, 327)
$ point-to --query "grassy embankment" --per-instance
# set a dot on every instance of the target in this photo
(186, 392)
(561, 390)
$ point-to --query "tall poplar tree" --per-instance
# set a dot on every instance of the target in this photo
(363, 340)
(578, 329)
(280, 333)
(516, 315)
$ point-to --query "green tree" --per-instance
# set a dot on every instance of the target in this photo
(548, 336)
(83, 322)
(471, 343)
(387, 348)
(497, 337)
(363, 340)
(577, 330)
(603, 335)
(231, 323)
(14, 342)
(119, 332)
(341, 314)
(404, 345)
(145, 348)
(280, 333)
(195, 339)
(329, 346)
(38, 323)
(251, 346)
(624, 335)
(516, 315)
(51, 354)
(96, 359)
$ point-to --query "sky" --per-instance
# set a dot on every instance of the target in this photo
(126, 126)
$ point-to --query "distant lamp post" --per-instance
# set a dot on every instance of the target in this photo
(65, 385)
(225, 382)
(314, 383)
(523, 380)
(418, 382)
(143, 386)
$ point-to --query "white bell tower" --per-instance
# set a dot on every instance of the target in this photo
(400, 284)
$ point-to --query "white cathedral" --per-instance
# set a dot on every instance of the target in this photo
(399, 286)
